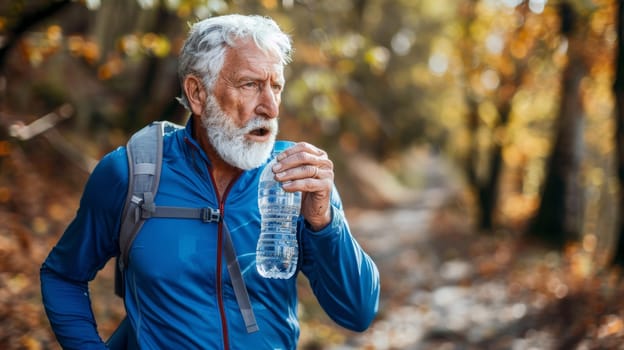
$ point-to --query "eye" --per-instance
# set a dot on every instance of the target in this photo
(250, 85)
(276, 87)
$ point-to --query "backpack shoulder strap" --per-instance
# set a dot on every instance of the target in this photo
(145, 152)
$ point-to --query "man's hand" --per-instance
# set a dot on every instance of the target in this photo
(306, 168)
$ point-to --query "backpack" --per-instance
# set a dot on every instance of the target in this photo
(145, 154)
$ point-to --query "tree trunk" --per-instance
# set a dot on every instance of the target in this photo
(618, 90)
(151, 93)
(486, 185)
(559, 217)
(480, 183)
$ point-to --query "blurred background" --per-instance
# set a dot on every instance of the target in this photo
(478, 146)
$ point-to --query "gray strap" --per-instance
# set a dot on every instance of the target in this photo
(240, 290)
(204, 214)
(145, 169)
(144, 152)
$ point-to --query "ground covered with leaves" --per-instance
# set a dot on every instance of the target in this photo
(443, 286)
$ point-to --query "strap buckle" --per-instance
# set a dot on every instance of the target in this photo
(147, 205)
(210, 215)
(147, 210)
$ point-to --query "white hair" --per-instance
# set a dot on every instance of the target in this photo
(204, 50)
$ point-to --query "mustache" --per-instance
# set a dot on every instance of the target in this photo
(258, 122)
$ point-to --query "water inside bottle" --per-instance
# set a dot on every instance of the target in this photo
(277, 251)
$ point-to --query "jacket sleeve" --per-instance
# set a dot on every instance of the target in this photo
(87, 244)
(343, 277)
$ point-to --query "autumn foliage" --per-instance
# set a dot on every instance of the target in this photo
(474, 143)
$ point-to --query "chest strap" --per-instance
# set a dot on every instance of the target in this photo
(147, 209)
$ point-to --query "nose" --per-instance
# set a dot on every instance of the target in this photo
(268, 102)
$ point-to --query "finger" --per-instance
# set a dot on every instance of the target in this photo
(301, 148)
(301, 173)
(304, 160)
(308, 179)
(306, 185)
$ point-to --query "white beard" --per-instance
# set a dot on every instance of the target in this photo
(229, 140)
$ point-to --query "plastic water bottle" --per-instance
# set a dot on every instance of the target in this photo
(277, 250)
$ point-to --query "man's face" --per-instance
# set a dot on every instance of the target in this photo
(240, 116)
(231, 141)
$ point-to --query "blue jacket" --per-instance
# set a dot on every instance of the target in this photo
(178, 291)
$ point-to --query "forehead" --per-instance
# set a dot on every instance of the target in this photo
(248, 58)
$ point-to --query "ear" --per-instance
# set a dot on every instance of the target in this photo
(195, 93)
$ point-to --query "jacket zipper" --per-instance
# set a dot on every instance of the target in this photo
(226, 342)
(221, 201)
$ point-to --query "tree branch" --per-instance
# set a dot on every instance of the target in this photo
(28, 21)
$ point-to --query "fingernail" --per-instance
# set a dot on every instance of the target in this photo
(277, 167)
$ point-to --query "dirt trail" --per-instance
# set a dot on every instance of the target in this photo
(444, 287)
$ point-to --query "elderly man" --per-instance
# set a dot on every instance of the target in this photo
(178, 293)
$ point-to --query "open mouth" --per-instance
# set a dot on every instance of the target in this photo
(260, 132)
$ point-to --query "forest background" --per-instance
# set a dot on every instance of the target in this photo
(501, 117)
